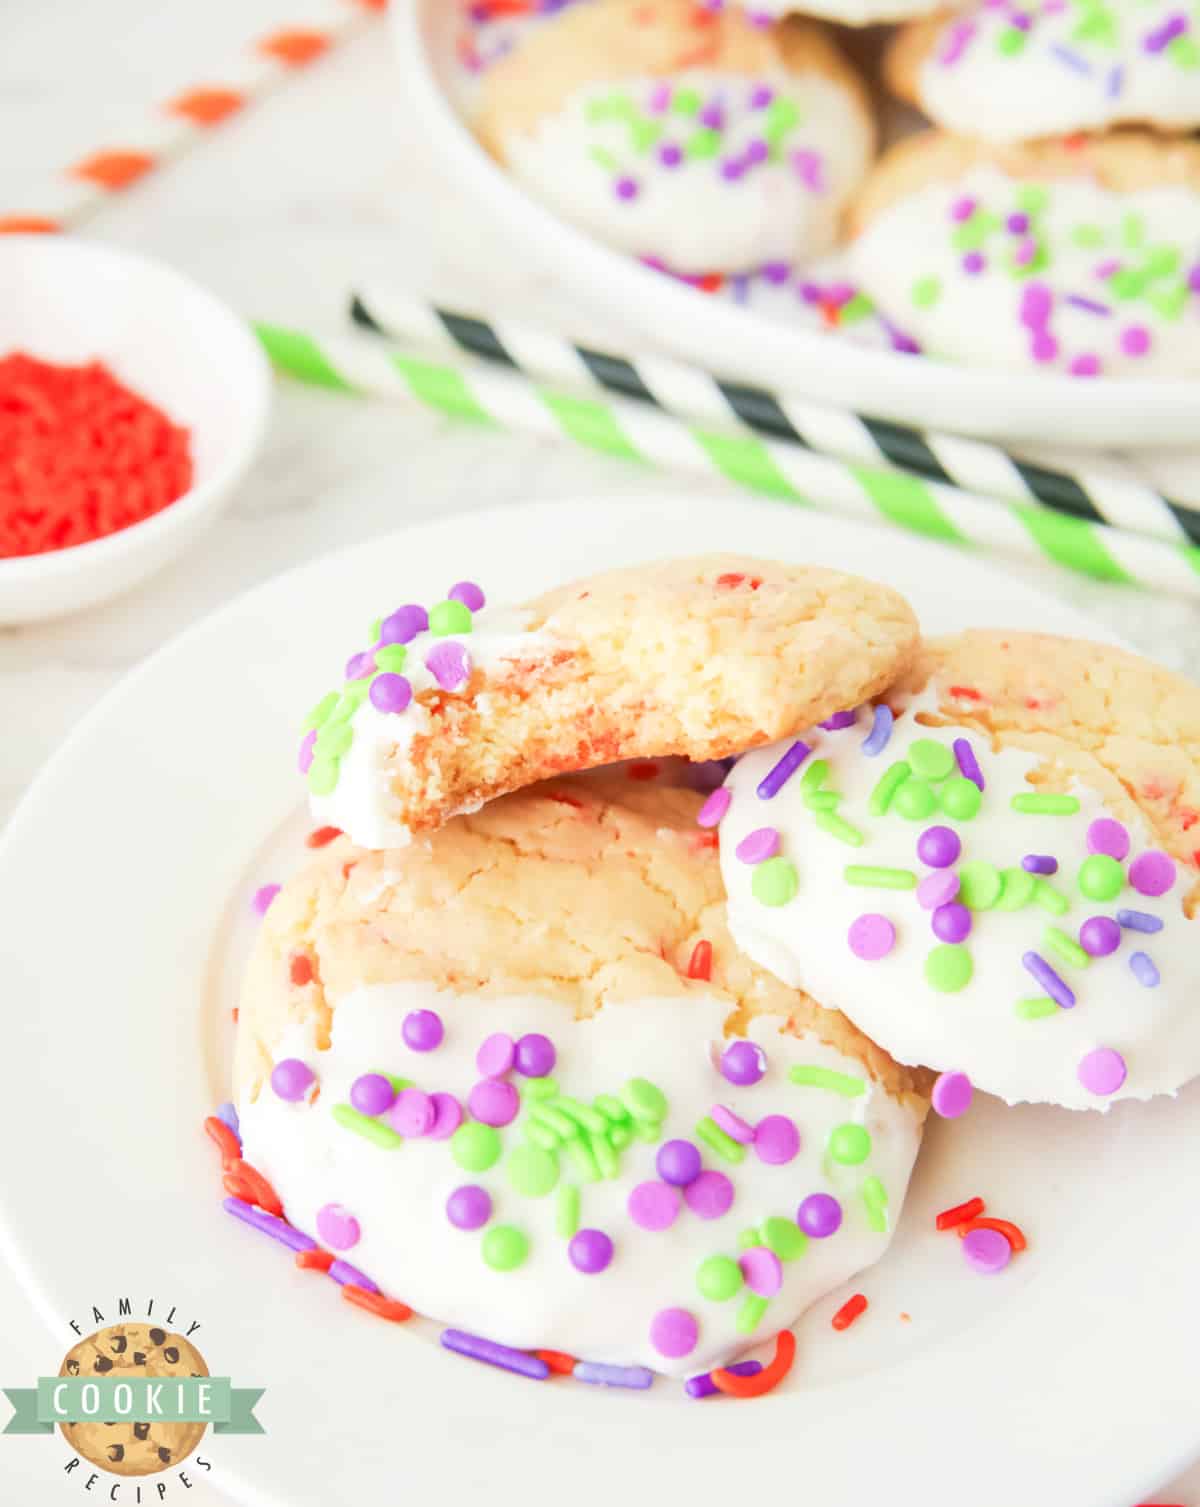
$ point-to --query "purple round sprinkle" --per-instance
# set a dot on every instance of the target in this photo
(305, 756)
(534, 1056)
(709, 1195)
(881, 731)
(714, 808)
(674, 1332)
(390, 693)
(1107, 836)
(413, 1113)
(743, 1063)
(973, 263)
(263, 897)
(337, 1227)
(494, 1102)
(952, 1095)
(986, 1251)
(1099, 935)
(1017, 223)
(1039, 863)
(1140, 920)
(1037, 300)
(937, 889)
(403, 625)
(871, 937)
(448, 1116)
(449, 664)
(359, 666)
(1101, 1071)
(469, 1207)
(778, 776)
(678, 1163)
(496, 1056)
(423, 1030)
(1043, 347)
(776, 1140)
(626, 188)
(1054, 985)
(939, 847)
(372, 1093)
(732, 169)
(758, 846)
(291, 1079)
(712, 115)
(1087, 365)
(660, 99)
(819, 1215)
(653, 1205)
(1135, 341)
(838, 721)
(761, 96)
(962, 209)
(670, 154)
(1144, 970)
(590, 1251)
(1152, 873)
(951, 923)
(762, 1269)
(733, 1125)
(757, 151)
(968, 764)
(470, 595)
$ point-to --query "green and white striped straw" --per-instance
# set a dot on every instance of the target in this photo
(488, 394)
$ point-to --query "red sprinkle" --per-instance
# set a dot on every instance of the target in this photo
(300, 969)
(642, 771)
(226, 1141)
(258, 1190)
(768, 1378)
(730, 578)
(322, 837)
(375, 1302)
(849, 1311)
(965, 693)
(700, 966)
(948, 1219)
(1011, 1232)
(559, 1361)
(317, 1260)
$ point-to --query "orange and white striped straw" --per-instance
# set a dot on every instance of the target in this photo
(177, 124)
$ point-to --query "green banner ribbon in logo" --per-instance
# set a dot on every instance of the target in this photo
(134, 1399)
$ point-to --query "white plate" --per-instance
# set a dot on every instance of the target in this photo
(661, 313)
(123, 880)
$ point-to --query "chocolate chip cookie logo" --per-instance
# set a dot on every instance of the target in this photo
(134, 1399)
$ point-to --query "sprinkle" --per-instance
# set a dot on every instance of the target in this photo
(566, 1214)
(750, 1314)
(492, 1354)
(645, 1099)
(423, 1030)
(636, 1377)
(875, 1199)
(849, 1144)
(838, 721)
(930, 759)
(504, 1248)
(496, 1056)
(469, 594)
(703, 1385)
(743, 1063)
(960, 798)
(952, 1094)
(891, 780)
(880, 878)
(881, 732)
(1051, 982)
(1050, 899)
(228, 1116)
(269, 1224)
(674, 1332)
(1152, 873)
(491, 1102)
(939, 889)
(709, 1196)
(986, 1251)
(1039, 863)
(590, 1251)
(653, 1206)
(808, 1076)
(1038, 1008)
(961, 1213)
(559, 1361)
(915, 799)
(1140, 920)
(728, 1380)
(1066, 947)
(733, 1125)
(850, 1310)
(700, 962)
(819, 1215)
(1107, 836)
(775, 882)
(372, 1093)
(1018, 889)
(715, 807)
(830, 822)
(1011, 1232)
(776, 1140)
(980, 885)
(342, 1272)
(261, 903)
(871, 937)
(337, 1227)
(952, 922)
(300, 970)
(315, 1260)
(1144, 970)
(968, 764)
(225, 1139)
(474, 1147)
(1100, 877)
(762, 1270)
(469, 1207)
(390, 1309)
(775, 779)
(1045, 803)
(1102, 1072)
(939, 847)
(363, 1125)
(948, 968)
(758, 846)
(708, 1131)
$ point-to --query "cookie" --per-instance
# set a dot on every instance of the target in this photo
(134, 1449)
(1010, 73)
(1076, 256)
(1001, 880)
(608, 1113)
(698, 657)
(687, 138)
(844, 12)
(488, 32)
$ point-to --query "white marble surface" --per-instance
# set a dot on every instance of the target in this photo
(280, 212)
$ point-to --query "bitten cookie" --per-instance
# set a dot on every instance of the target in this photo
(845, 12)
(1076, 256)
(518, 1076)
(1000, 878)
(134, 1449)
(701, 657)
(1008, 72)
(687, 138)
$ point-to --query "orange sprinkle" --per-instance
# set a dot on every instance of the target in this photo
(226, 1141)
(300, 970)
(768, 1378)
(322, 837)
(294, 46)
(373, 4)
(700, 966)
(260, 1190)
(207, 107)
(316, 1260)
(642, 771)
(710, 283)
(960, 1213)
(234, 1186)
(701, 840)
(559, 1361)
(730, 578)
(234, 1013)
(1011, 1232)
(374, 1302)
(850, 1310)
(28, 225)
(115, 169)
(965, 693)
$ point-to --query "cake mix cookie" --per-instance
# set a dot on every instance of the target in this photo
(845, 12)
(992, 870)
(523, 1080)
(1078, 255)
(686, 137)
(1009, 72)
(447, 707)
(489, 30)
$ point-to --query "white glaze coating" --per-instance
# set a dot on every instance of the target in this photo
(848, 12)
(976, 1030)
(690, 216)
(912, 259)
(410, 1249)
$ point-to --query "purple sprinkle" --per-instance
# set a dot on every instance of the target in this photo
(1115, 81)
(492, 1354)
(1194, 278)
(775, 273)
(1089, 305)
(653, 1205)
(939, 847)
(743, 1063)
(1087, 365)
(732, 169)
(337, 1227)
(291, 1079)
(1109, 268)
(359, 666)
(812, 292)
(986, 1251)
(1174, 26)
(598, 1375)
(1144, 970)
(1039, 863)
(670, 154)
(714, 808)
(704, 1386)
(496, 1056)
(305, 757)
(1070, 58)
(1099, 936)
(372, 1093)
(733, 1125)
(469, 1207)
(776, 778)
(1054, 985)
(449, 664)
(448, 1116)
(1152, 873)
(820, 1215)
(968, 764)
(660, 99)
(535, 1055)
(494, 1101)
(423, 1030)
(871, 937)
(958, 39)
(590, 1251)
(838, 721)
(810, 169)
(263, 897)
(712, 116)
(390, 693)
(1140, 920)
(1043, 347)
(1109, 837)
(228, 1115)
(952, 1095)
(1135, 341)
(962, 209)
(413, 1114)
(761, 97)
(951, 923)
(1017, 222)
(1036, 303)
(626, 188)
(757, 151)
(758, 846)
(342, 1272)
(278, 1229)
(709, 1195)
(973, 263)
(678, 1163)
(469, 594)
(1102, 1071)
(881, 731)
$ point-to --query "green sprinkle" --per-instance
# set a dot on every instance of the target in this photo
(399, 1084)
(1018, 889)
(1101, 877)
(1133, 230)
(1088, 237)
(605, 159)
(643, 134)
(320, 712)
(542, 1136)
(775, 882)
(808, 1076)
(504, 1247)
(1099, 27)
(1127, 284)
(374, 631)
(323, 776)
(1050, 899)
(1169, 302)
(612, 1109)
(1011, 41)
(583, 1114)
(782, 116)
(814, 776)
(857, 308)
(960, 798)
(719, 1279)
(1035, 1009)
(647, 1130)
(619, 1136)
(702, 144)
(392, 658)
(538, 1089)
(1045, 803)
(333, 740)
(849, 1144)
(1067, 948)
(930, 759)
(875, 1199)
(891, 780)
(747, 1238)
(750, 1314)
(646, 1099)
(1161, 261)
(363, 1125)
(821, 800)
(475, 1147)
(971, 235)
(532, 1172)
(925, 292)
(869, 877)
(606, 1158)
(686, 102)
(566, 1214)
(784, 1237)
(584, 1160)
(915, 799)
(717, 1141)
(979, 885)
(353, 695)
(830, 822)
(948, 968)
(449, 617)
(1184, 52)
(553, 1119)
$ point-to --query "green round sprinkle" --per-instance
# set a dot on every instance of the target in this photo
(979, 885)
(322, 776)
(784, 1237)
(532, 1172)
(333, 740)
(750, 1314)
(399, 1084)
(1101, 877)
(449, 617)
(1019, 886)
(872, 877)
(889, 782)
(775, 882)
(915, 799)
(1032, 198)
(948, 968)
(320, 712)
(1011, 41)
(566, 1214)
(686, 102)
(960, 798)
(850, 1145)
(747, 1238)
(504, 1248)
(539, 1088)
(702, 144)
(1045, 803)
(646, 1099)
(392, 657)
(930, 759)
(926, 291)
(719, 1278)
(475, 1147)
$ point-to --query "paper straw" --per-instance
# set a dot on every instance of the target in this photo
(694, 394)
(170, 128)
(773, 468)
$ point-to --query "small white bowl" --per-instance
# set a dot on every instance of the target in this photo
(68, 300)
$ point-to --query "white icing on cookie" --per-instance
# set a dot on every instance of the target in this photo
(977, 1029)
(848, 12)
(398, 1195)
(705, 172)
(1009, 72)
(1059, 275)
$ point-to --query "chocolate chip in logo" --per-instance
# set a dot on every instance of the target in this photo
(139, 1357)
(171, 1353)
(103, 1364)
(164, 1454)
(72, 1368)
(119, 1344)
(157, 1336)
(116, 1452)
(141, 1431)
